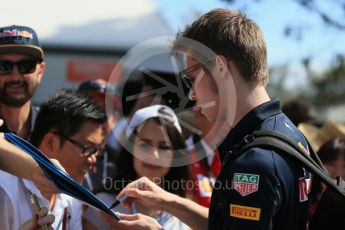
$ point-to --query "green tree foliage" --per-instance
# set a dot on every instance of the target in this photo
(327, 87)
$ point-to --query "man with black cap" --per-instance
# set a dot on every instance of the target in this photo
(21, 71)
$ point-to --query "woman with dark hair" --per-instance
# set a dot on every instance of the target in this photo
(154, 146)
(332, 155)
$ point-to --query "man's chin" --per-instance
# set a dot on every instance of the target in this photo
(79, 177)
(14, 102)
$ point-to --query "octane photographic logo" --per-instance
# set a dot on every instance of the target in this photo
(135, 61)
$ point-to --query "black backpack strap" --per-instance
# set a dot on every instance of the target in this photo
(280, 136)
(280, 142)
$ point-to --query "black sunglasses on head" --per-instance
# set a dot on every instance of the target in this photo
(23, 66)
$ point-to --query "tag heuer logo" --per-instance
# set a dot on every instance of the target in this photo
(245, 183)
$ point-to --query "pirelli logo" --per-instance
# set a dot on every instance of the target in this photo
(245, 212)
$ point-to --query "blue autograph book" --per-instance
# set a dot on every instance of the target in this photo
(62, 180)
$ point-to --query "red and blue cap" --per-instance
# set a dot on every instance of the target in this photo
(20, 39)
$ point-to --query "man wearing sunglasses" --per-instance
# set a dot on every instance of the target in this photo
(69, 128)
(21, 71)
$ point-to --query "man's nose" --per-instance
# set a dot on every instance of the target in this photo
(14, 74)
(192, 95)
(91, 160)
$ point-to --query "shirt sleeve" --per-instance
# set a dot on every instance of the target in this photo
(93, 215)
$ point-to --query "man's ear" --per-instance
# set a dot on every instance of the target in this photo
(222, 66)
(50, 144)
(41, 69)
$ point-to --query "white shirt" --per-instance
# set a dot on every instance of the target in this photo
(15, 208)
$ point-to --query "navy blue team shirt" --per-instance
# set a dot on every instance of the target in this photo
(262, 188)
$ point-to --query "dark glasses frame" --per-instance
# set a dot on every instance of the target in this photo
(87, 151)
(25, 66)
(184, 74)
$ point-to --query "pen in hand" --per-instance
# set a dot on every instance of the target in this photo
(124, 197)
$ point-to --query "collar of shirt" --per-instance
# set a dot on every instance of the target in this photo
(62, 201)
(33, 114)
(248, 124)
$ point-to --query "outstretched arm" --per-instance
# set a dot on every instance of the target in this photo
(15, 161)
